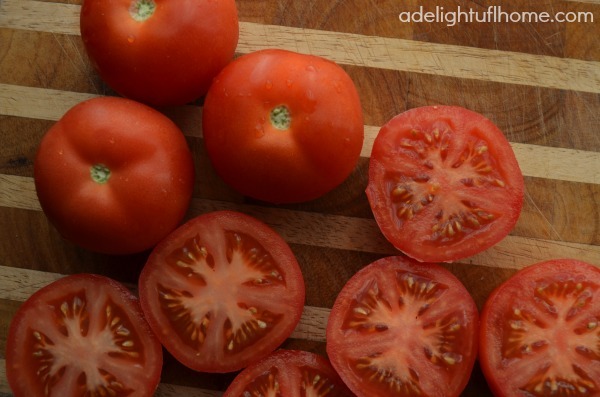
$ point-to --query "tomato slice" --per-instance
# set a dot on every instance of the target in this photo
(82, 335)
(540, 331)
(222, 291)
(289, 373)
(444, 183)
(403, 328)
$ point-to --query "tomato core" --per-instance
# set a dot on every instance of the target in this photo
(100, 173)
(141, 10)
(281, 118)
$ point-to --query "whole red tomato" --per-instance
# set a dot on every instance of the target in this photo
(161, 52)
(114, 175)
(283, 127)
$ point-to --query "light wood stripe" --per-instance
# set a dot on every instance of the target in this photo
(536, 161)
(361, 50)
(164, 390)
(19, 284)
(319, 230)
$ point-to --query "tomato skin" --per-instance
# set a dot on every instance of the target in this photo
(313, 155)
(151, 175)
(41, 313)
(294, 371)
(208, 291)
(444, 183)
(539, 331)
(168, 59)
(400, 328)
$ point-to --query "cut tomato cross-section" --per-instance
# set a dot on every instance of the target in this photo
(403, 328)
(540, 332)
(222, 291)
(83, 335)
(444, 183)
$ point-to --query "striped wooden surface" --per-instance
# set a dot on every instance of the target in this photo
(540, 82)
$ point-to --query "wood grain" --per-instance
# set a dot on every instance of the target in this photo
(539, 82)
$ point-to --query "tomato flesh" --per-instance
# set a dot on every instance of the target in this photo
(540, 333)
(444, 183)
(403, 328)
(289, 373)
(82, 335)
(208, 291)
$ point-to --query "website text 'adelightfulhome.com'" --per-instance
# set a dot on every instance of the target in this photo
(492, 14)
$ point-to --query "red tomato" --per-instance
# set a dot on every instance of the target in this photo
(444, 183)
(403, 328)
(83, 335)
(222, 291)
(289, 373)
(114, 176)
(283, 127)
(161, 52)
(540, 332)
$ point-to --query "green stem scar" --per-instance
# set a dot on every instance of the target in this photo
(99, 173)
(281, 118)
(141, 10)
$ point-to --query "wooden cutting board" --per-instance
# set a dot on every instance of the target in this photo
(539, 81)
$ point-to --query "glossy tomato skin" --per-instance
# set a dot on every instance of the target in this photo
(401, 328)
(283, 163)
(539, 331)
(222, 291)
(289, 373)
(444, 183)
(168, 59)
(71, 329)
(150, 175)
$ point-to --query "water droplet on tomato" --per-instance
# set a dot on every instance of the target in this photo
(311, 68)
(268, 85)
(259, 130)
(337, 86)
(288, 83)
(130, 39)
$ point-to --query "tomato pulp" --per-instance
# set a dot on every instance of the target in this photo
(403, 328)
(114, 176)
(283, 127)
(82, 335)
(289, 373)
(160, 52)
(444, 183)
(222, 291)
(540, 332)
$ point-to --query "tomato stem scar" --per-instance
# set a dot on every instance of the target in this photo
(281, 118)
(99, 173)
(141, 10)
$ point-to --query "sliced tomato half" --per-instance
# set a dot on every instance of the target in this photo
(540, 332)
(289, 373)
(222, 291)
(83, 335)
(403, 328)
(444, 183)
